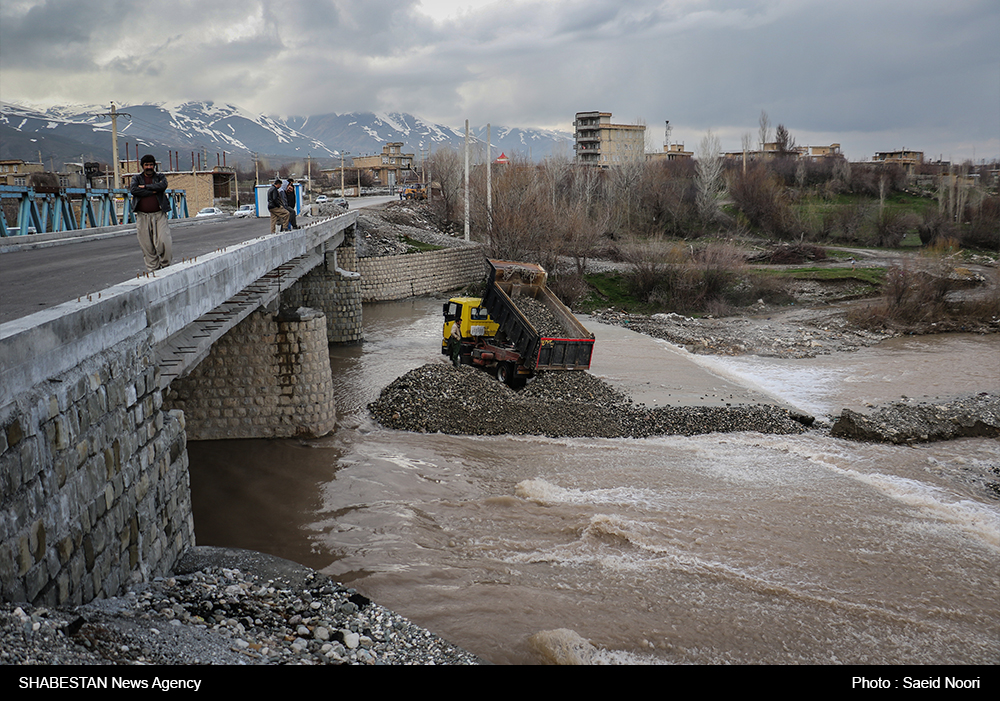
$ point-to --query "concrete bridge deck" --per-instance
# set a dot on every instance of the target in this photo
(231, 280)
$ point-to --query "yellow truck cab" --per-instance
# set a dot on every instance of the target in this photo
(473, 320)
(415, 192)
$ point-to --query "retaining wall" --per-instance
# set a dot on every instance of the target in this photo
(388, 278)
(94, 485)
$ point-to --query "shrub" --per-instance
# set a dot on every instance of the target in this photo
(983, 231)
(890, 228)
(764, 200)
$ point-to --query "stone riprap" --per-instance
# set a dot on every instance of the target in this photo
(94, 484)
(919, 422)
(465, 401)
(236, 608)
(540, 317)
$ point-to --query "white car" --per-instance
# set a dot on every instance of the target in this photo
(209, 212)
(245, 210)
(321, 199)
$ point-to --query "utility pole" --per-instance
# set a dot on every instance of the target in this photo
(114, 114)
(466, 179)
(489, 181)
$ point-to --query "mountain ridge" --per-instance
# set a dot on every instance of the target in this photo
(73, 132)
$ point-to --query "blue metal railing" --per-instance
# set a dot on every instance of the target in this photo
(73, 208)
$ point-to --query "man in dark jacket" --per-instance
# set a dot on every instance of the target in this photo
(150, 204)
(290, 203)
(276, 207)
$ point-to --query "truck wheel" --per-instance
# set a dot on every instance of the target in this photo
(507, 373)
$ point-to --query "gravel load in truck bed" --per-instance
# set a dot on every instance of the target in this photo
(541, 317)
(467, 401)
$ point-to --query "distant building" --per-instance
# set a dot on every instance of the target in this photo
(601, 143)
(670, 152)
(770, 150)
(202, 188)
(388, 167)
(908, 160)
(15, 172)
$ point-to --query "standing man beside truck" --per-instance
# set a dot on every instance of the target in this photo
(455, 344)
(149, 191)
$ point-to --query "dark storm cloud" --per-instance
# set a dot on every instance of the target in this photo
(856, 71)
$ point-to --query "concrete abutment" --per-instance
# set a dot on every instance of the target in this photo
(94, 485)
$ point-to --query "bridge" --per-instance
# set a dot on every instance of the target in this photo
(94, 485)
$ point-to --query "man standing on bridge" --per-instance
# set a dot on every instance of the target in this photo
(276, 207)
(150, 204)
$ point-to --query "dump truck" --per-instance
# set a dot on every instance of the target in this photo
(415, 192)
(518, 327)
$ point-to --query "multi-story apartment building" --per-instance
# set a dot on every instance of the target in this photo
(601, 143)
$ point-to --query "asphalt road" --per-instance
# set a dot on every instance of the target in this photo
(33, 280)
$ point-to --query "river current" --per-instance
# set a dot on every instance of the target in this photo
(723, 548)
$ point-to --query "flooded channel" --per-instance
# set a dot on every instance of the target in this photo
(724, 548)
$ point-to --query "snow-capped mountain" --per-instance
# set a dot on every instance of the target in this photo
(66, 133)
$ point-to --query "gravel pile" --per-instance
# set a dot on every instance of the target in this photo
(540, 317)
(379, 230)
(283, 614)
(918, 422)
(467, 401)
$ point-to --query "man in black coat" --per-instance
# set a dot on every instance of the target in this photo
(150, 204)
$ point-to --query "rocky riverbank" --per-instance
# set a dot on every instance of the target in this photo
(229, 607)
(803, 333)
(920, 422)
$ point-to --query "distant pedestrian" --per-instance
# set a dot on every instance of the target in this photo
(290, 204)
(276, 207)
(150, 204)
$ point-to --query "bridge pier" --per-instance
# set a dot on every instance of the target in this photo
(269, 377)
(334, 287)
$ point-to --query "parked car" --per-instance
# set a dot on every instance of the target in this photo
(209, 212)
(341, 202)
(321, 199)
(245, 210)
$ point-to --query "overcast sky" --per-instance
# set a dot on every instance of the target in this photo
(868, 74)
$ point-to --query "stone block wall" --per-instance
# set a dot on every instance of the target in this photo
(94, 484)
(337, 294)
(269, 377)
(388, 278)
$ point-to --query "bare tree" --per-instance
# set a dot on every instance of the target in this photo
(745, 143)
(764, 130)
(447, 167)
(709, 177)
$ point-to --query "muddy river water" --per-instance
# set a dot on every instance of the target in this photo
(722, 548)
